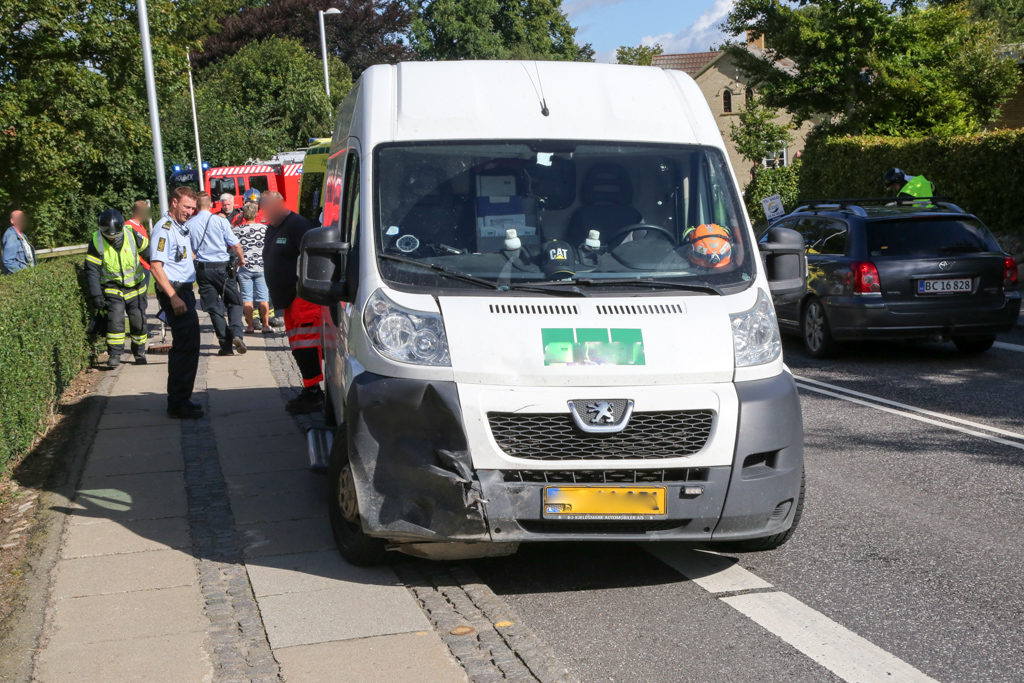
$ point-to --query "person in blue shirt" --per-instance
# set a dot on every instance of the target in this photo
(170, 258)
(212, 241)
(18, 254)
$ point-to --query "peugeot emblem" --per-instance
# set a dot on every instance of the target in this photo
(600, 411)
(606, 416)
(945, 265)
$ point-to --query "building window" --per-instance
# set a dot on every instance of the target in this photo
(727, 102)
(777, 160)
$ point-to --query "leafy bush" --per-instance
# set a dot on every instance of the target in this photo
(782, 181)
(982, 173)
(43, 347)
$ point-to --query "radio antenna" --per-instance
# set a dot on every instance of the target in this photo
(540, 95)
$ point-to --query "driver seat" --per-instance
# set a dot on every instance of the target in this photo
(607, 196)
(434, 211)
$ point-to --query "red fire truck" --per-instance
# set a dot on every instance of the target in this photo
(280, 174)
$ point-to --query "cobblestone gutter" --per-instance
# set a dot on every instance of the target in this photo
(237, 642)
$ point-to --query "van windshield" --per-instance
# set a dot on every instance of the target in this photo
(605, 216)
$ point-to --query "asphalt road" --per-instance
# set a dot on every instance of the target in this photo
(910, 551)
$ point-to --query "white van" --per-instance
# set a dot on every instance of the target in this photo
(547, 318)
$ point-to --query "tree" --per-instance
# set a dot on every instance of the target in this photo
(757, 136)
(869, 66)
(1007, 14)
(366, 32)
(268, 97)
(495, 29)
(641, 55)
(74, 130)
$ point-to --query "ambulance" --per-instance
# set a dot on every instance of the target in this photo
(547, 318)
(313, 178)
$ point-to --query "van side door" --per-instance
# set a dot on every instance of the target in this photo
(341, 208)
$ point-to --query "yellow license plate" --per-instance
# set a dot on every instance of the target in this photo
(604, 502)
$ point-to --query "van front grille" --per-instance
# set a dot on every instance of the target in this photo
(554, 436)
(678, 475)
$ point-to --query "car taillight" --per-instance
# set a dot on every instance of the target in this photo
(1010, 274)
(865, 278)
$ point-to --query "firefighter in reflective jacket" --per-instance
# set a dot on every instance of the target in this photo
(917, 186)
(117, 283)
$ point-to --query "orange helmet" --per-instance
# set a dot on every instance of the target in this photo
(709, 245)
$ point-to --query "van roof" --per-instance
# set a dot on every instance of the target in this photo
(496, 100)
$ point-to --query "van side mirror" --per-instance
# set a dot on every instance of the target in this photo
(785, 260)
(322, 267)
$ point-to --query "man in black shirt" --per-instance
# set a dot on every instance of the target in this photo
(302, 319)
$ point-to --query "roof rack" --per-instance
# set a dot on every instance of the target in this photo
(854, 204)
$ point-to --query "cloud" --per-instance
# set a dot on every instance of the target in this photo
(698, 36)
(577, 7)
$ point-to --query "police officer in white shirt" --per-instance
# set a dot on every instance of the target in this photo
(212, 240)
(174, 272)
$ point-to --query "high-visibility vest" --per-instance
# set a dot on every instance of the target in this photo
(121, 267)
(918, 187)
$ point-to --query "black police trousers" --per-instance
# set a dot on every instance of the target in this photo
(134, 307)
(222, 300)
(183, 361)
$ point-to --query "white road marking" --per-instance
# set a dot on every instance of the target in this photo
(831, 645)
(904, 406)
(911, 416)
(835, 647)
(1009, 347)
(714, 573)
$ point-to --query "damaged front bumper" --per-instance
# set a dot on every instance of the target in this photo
(416, 483)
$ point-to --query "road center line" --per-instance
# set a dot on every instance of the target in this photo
(911, 416)
(831, 645)
(1009, 347)
(904, 406)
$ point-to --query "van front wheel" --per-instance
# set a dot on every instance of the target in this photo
(355, 546)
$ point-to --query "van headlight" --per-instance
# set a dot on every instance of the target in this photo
(405, 335)
(755, 334)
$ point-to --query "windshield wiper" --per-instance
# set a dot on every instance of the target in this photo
(466, 277)
(649, 281)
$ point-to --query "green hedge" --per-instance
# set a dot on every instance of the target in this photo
(43, 346)
(768, 181)
(983, 173)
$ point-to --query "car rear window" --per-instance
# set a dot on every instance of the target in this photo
(929, 237)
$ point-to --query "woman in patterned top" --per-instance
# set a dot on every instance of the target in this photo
(250, 278)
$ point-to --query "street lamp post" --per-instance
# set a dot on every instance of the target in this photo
(154, 114)
(323, 46)
(195, 123)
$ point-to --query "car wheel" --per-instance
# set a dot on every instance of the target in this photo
(973, 344)
(756, 545)
(814, 330)
(355, 546)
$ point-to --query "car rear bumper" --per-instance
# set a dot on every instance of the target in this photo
(853, 318)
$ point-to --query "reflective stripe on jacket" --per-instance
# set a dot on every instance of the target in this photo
(115, 269)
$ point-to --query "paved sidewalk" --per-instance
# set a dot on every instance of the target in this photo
(201, 551)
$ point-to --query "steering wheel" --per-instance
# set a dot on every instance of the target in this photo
(637, 227)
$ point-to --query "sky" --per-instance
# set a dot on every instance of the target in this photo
(679, 25)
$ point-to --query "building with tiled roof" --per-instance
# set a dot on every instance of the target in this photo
(725, 89)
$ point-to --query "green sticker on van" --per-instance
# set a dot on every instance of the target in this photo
(592, 346)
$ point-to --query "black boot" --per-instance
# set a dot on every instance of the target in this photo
(114, 358)
(309, 401)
